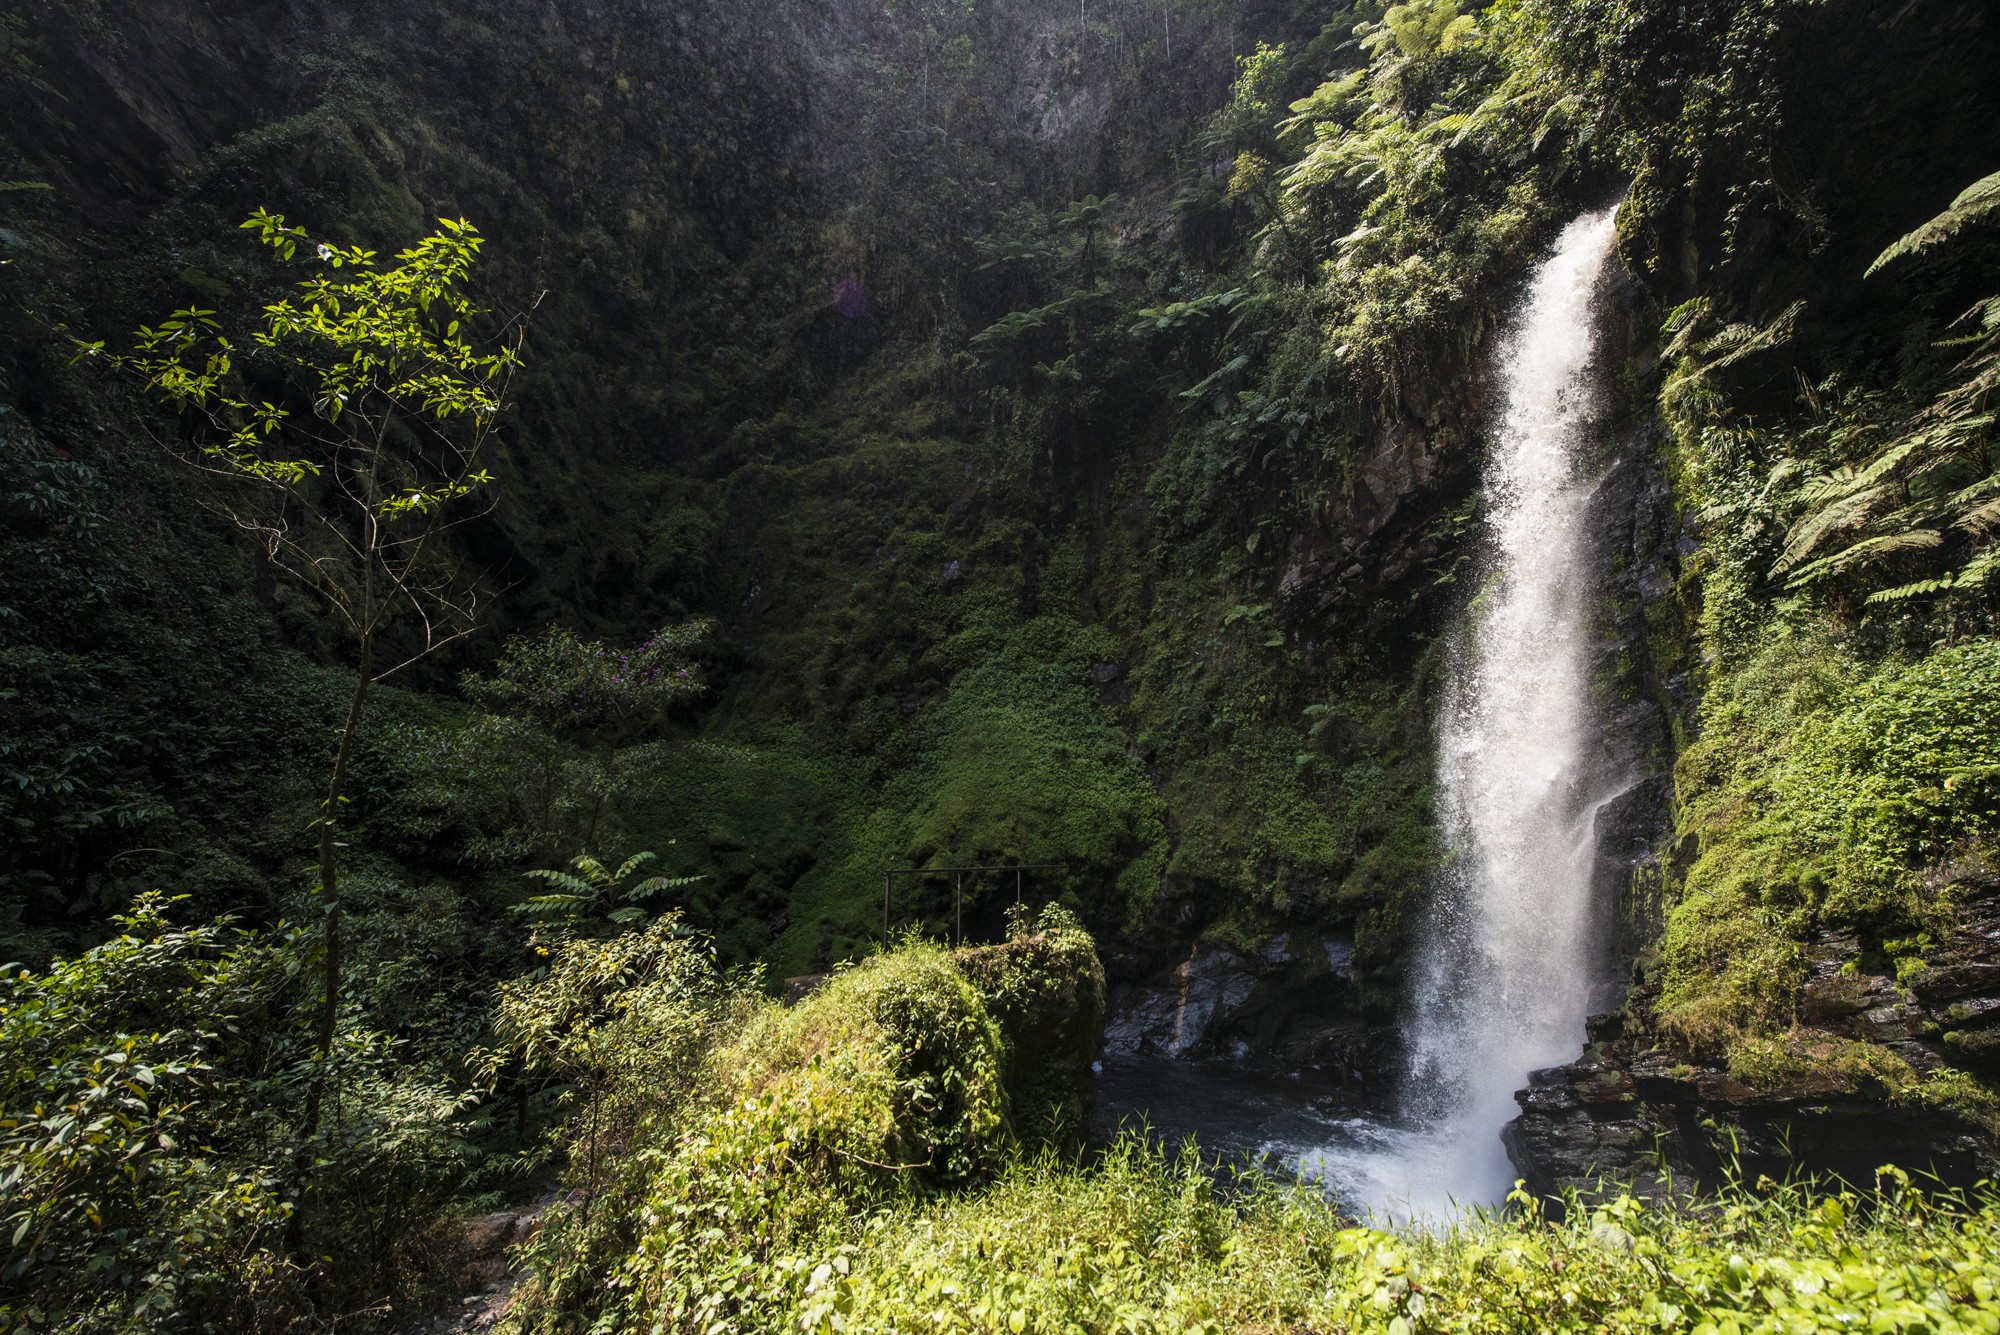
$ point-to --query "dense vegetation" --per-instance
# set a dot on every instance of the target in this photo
(945, 433)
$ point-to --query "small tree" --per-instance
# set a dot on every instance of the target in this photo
(573, 686)
(388, 409)
(568, 745)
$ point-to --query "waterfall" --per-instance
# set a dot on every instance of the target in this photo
(1507, 966)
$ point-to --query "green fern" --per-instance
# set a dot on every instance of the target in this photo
(1979, 200)
(594, 892)
(1926, 503)
(1697, 351)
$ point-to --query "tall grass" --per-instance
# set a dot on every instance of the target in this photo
(1140, 1241)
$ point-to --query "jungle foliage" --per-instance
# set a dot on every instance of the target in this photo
(847, 1165)
(1846, 762)
(1030, 436)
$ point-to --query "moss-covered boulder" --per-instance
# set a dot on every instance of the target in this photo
(894, 1065)
(1045, 988)
(903, 1077)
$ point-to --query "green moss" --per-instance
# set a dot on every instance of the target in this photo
(1045, 987)
(895, 1061)
(901, 1077)
(1819, 793)
(1960, 1093)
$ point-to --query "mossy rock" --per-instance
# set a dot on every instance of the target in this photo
(1045, 987)
(895, 1065)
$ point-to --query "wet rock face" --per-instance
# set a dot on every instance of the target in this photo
(1643, 1120)
(1629, 1110)
(1958, 989)
(1290, 1005)
(1583, 1122)
(1178, 1016)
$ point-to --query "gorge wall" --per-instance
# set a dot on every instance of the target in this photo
(1071, 419)
(888, 533)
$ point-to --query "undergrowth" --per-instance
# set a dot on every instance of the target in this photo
(916, 1072)
(847, 1165)
(1142, 1242)
(1822, 790)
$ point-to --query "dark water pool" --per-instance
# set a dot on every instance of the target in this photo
(1346, 1144)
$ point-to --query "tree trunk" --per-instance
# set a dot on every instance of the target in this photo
(329, 886)
(329, 881)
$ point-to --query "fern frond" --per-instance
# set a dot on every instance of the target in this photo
(1868, 549)
(1738, 341)
(1979, 570)
(1887, 462)
(1974, 576)
(568, 905)
(1976, 201)
(654, 884)
(631, 864)
(1781, 475)
(1716, 513)
(1682, 322)
(1848, 511)
(1905, 592)
(564, 880)
(1982, 518)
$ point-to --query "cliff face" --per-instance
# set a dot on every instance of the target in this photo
(1634, 1109)
(1880, 1055)
(891, 546)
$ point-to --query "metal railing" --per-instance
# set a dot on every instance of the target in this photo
(957, 875)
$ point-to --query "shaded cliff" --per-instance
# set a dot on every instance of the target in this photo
(1782, 1018)
(985, 595)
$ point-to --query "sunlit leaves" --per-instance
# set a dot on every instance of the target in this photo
(1978, 201)
(362, 344)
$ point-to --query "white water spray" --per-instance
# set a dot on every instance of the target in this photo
(1506, 973)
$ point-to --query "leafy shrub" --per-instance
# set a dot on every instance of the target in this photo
(559, 761)
(736, 1181)
(109, 1092)
(1045, 988)
(1904, 776)
(625, 1027)
(566, 684)
(156, 1174)
(895, 1062)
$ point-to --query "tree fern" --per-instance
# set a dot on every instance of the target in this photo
(594, 893)
(1698, 350)
(1979, 200)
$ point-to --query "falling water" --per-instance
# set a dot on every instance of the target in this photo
(1507, 973)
